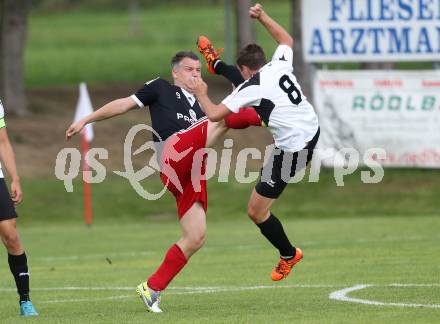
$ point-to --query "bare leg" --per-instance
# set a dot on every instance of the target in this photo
(10, 238)
(17, 261)
(258, 207)
(215, 131)
(193, 225)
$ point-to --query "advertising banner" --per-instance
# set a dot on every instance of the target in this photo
(371, 30)
(398, 111)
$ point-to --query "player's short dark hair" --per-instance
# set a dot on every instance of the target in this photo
(181, 55)
(252, 56)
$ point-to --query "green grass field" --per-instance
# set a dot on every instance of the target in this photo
(99, 46)
(385, 236)
(377, 235)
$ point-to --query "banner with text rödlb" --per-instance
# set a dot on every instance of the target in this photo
(398, 111)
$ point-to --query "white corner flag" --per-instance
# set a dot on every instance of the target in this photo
(84, 108)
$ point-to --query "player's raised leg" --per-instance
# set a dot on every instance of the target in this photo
(208, 51)
(215, 64)
(215, 131)
(244, 118)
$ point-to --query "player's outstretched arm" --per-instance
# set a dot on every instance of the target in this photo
(212, 111)
(113, 108)
(277, 32)
(8, 158)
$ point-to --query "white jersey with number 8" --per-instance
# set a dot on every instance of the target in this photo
(277, 98)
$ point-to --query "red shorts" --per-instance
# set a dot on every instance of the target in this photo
(183, 166)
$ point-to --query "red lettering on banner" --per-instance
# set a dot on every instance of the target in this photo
(431, 83)
(390, 157)
(385, 83)
(425, 157)
(336, 83)
(428, 157)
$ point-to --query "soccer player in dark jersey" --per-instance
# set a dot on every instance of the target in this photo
(8, 226)
(183, 129)
(272, 89)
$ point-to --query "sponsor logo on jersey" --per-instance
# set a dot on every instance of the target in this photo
(193, 115)
(177, 95)
(186, 118)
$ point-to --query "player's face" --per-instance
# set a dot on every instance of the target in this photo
(185, 71)
(246, 72)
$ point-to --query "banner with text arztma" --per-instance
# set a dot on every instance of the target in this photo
(398, 111)
(370, 30)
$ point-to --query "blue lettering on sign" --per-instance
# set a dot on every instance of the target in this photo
(408, 33)
(438, 10)
(370, 11)
(358, 34)
(352, 16)
(423, 42)
(399, 43)
(438, 37)
(375, 32)
(317, 43)
(425, 12)
(336, 6)
(337, 36)
(385, 11)
(405, 8)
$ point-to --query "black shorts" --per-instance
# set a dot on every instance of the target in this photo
(275, 175)
(7, 209)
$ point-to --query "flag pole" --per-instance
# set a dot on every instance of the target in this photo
(84, 108)
(86, 179)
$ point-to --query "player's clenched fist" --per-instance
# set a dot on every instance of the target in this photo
(256, 11)
(198, 87)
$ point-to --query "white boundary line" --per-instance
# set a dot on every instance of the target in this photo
(339, 295)
(190, 290)
(170, 291)
(342, 295)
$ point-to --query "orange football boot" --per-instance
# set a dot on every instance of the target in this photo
(284, 266)
(208, 51)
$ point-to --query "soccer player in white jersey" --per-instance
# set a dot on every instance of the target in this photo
(272, 89)
(8, 232)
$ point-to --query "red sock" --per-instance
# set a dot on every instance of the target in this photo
(174, 261)
(245, 117)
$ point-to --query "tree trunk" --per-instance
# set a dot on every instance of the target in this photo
(377, 66)
(303, 71)
(135, 18)
(13, 22)
(245, 26)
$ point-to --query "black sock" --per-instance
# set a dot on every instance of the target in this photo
(19, 269)
(230, 72)
(273, 230)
